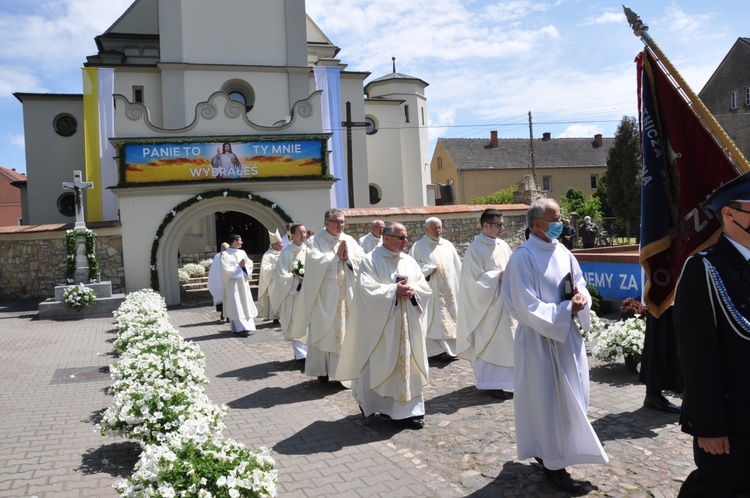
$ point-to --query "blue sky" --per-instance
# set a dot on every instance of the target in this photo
(488, 62)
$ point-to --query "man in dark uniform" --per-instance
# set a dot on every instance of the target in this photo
(711, 312)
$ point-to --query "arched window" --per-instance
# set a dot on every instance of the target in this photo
(376, 195)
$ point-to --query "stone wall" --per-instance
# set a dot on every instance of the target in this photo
(460, 222)
(33, 259)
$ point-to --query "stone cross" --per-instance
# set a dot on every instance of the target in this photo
(78, 186)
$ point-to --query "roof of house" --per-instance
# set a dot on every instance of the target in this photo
(14, 175)
(513, 153)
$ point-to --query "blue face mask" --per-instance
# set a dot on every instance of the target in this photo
(554, 229)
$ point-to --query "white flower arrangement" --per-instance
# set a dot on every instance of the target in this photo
(298, 268)
(623, 338)
(596, 329)
(159, 400)
(79, 297)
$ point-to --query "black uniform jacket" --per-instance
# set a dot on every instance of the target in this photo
(714, 345)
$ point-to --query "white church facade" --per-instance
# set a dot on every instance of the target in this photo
(198, 119)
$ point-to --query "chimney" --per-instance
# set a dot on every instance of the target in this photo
(546, 136)
(598, 142)
(493, 139)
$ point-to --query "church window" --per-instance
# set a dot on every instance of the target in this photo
(138, 94)
(65, 125)
(240, 91)
(422, 109)
(406, 113)
(440, 163)
(376, 195)
(733, 99)
(66, 204)
(747, 96)
(372, 125)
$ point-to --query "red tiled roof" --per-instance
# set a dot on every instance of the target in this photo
(431, 210)
(14, 176)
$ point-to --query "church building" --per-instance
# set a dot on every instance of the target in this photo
(201, 119)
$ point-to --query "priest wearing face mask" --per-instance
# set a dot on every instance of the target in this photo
(545, 291)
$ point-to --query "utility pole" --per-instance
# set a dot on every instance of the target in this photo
(531, 148)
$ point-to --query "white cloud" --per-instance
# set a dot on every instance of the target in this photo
(17, 140)
(579, 131)
(606, 18)
(18, 79)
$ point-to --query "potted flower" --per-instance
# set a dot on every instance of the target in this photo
(624, 338)
(79, 297)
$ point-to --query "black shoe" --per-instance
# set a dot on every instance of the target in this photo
(659, 402)
(323, 379)
(445, 357)
(276, 321)
(243, 333)
(500, 394)
(414, 423)
(562, 480)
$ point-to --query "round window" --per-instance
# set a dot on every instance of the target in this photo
(375, 194)
(65, 125)
(372, 126)
(66, 204)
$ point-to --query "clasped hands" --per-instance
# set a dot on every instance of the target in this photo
(343, 252)
(404, 290)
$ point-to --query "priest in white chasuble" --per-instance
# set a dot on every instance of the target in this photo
(267, 267)
(287, 291)
(545, 290)
(373, 239)
(484, 332)
(331, 268)
(384, 350)
(441, 267)
(236, 269)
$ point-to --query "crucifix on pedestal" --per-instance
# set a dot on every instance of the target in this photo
(78, 186)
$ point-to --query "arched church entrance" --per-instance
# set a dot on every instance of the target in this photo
(251, 219)
(254, 234)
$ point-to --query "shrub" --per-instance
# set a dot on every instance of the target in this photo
(183, 276)
(632, 307)
(598, 305)
(194, 270)
(206, 264)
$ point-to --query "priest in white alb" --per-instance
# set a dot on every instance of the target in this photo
(214, 284)
(545, 290)
(484, 331)
(441, 267)
(373, 239)
(287, 297)
(384, 351)
(236, 269)
(331, 268)
(267, 267)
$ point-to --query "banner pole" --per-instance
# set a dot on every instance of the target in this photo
(736, 156)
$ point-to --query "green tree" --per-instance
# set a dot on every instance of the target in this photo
(575, 201)
(601, 194)
(623, 186)
(504, 196)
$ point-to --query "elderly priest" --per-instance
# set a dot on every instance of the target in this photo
(385, 349)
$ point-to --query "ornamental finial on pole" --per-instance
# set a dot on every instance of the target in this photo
(635, 22)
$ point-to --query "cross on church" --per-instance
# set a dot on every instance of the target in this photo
(78, 186)
(349, 124)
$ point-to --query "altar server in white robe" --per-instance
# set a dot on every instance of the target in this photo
(267, 267)
(331, 268)
(214, 284)
(287, 296)
(385, 349)
(484, 330)
(236, 269)
(545, 290)
(441, 267)
(373, 239)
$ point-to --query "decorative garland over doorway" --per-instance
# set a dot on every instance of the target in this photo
(239, 194)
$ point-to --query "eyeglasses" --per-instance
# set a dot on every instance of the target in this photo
(336, 222)
(501, 224)
(399, 237)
